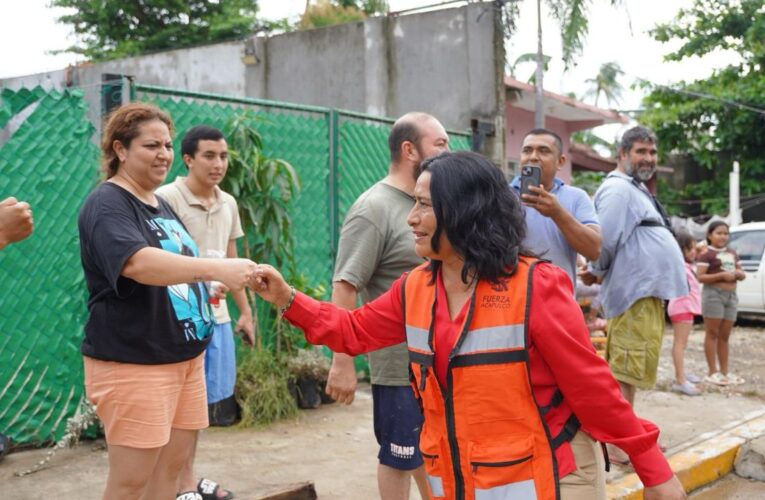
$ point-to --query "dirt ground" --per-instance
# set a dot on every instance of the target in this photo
(335, 448)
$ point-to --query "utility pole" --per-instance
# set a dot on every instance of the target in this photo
(539, 112)
(734, 212)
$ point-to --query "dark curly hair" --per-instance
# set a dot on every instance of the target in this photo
(481, 217)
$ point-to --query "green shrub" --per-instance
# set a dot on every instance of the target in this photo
(262, 388)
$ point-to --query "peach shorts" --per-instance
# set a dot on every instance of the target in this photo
(140, 404)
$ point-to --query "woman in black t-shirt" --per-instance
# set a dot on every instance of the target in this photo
(149, 319)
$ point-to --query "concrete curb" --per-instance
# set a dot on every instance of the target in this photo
(701, 462)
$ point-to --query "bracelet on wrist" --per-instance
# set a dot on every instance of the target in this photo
(289, 301)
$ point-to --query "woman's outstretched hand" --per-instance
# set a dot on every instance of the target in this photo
(270, 285)
(234, 273)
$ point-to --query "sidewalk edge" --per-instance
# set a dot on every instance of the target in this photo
(698, 465)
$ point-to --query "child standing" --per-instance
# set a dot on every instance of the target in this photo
(719, 269)
(681, 312)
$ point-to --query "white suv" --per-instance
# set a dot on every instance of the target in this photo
(748, 240)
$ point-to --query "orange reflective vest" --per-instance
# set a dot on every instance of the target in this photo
(484, 436)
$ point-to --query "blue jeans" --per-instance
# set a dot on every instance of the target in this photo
(220, 364)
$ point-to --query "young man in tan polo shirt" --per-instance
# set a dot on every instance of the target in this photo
(212, 219)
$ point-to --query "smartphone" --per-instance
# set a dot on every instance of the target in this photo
(531, 175)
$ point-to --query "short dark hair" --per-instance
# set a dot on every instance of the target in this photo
(636, 134)
(480, 215)
(402, 131)
(190, 142)
(714, 225)
(545, 131)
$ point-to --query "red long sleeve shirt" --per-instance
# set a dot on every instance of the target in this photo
(561, 356)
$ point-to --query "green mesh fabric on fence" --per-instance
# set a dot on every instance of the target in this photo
(459, 142)
(364, 156)
(363, 159)
(300, 135)
(50, 162)
(299, 138)
(12, 101)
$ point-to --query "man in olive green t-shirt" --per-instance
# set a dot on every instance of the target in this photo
(376, 246)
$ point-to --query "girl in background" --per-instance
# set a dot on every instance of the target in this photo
(681, 312)
(719, 269)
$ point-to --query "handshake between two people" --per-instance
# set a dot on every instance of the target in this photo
(263, 279)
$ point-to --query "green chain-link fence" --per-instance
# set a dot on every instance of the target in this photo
(50, 160)
(337, 155)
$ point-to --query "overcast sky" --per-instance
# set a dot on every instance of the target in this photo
(28, 32)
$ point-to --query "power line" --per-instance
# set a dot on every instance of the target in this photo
(704, 95)
(700, 95)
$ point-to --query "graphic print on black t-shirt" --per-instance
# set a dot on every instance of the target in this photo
(190, 300)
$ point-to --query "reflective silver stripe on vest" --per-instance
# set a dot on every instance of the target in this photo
(494, 338)
(436, 486)
(417, 338)
(522, 490)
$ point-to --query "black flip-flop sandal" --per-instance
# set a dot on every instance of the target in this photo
(209, 490)
(188, 495)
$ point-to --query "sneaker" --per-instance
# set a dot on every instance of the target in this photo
(693, 379)
(686, 388)
(717, 378)
(734, 379)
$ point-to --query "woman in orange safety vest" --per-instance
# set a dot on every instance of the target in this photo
(510, 387)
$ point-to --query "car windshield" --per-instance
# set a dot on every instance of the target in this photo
(749, 245)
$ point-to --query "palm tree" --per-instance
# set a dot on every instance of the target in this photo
(606, 83)
(512, 69)
(572, 16)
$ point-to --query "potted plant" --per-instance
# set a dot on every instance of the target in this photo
(309, 369)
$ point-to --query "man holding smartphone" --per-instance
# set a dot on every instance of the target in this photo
(560, 219)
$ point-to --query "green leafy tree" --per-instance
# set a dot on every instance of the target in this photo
(329, 12)
(587, 180)
(606, 83)
(368, 7)
(263, 188)
(718, 119)
(600, 145)
(110, 29)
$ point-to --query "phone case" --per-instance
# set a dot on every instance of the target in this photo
(530, 176)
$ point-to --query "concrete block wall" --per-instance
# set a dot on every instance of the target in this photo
(446, 62)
